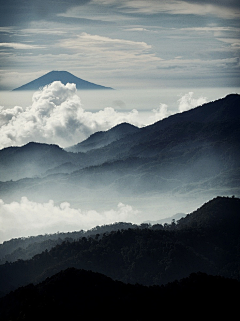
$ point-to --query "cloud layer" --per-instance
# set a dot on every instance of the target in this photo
(56, 116)
(25, 218)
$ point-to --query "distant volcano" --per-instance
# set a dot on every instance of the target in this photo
(63, 76)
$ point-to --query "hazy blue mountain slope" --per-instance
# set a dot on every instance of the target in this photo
(63, 76)
(193, 152)
(31, 159)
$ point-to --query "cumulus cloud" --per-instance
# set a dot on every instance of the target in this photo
(160, 113)
(25, 218)
(57, 116)
(187, 102)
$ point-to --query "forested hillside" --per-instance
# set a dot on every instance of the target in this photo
(26, 247)
(150, 256)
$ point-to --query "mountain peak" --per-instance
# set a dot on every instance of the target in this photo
(63, 76)
(104, 138)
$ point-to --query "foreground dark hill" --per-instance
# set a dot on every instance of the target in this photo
(63, 76)
(77, 294)
(152, 255)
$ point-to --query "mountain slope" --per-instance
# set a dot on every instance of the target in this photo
(30, 160)
(101, 139)
(194, 152)
(153, 255)
(63, 76)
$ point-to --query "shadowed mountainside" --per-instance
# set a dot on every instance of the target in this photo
(101, 139)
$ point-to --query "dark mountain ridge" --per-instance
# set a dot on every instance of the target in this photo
(63, 76)
(151, 255)
(104, 138)
(25, 248)
(73, 294)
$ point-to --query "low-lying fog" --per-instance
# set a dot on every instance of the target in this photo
(63, 116)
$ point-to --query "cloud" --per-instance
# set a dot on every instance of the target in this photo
(110, 52)
(25, 218)
(57, 116)
(17, 12)
(160, 113)
(224, 9)
(187, 102)
(15, 45)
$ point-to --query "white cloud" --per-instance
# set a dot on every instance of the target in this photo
(57, 116)
(110, 52)
(25, 218)
(160, 113)
(186, 7)
(187, 102)
(16, 45)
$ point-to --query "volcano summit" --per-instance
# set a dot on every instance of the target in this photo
(63, 76)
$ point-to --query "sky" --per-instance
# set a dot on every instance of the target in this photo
(122, 43)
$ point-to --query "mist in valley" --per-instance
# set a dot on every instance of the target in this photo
(141, 177)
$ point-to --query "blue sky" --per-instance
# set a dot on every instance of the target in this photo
(122, 44)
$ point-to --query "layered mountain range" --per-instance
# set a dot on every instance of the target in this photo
(196, 151)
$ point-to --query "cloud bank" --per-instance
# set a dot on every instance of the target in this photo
(25, 218)
(56, 116)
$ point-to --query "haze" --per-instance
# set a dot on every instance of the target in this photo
(161, 57)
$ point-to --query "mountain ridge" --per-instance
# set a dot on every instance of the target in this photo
(104, 138)
(63, 76)
(147, 255)
(180, 154)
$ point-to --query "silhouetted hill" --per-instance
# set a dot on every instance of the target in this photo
(26, 247)
(76, 294)
(63, 76)
(101, 139)
(152, 255)
(218, 214)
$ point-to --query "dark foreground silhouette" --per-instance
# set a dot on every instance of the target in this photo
(206, 240)
(79, 295)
